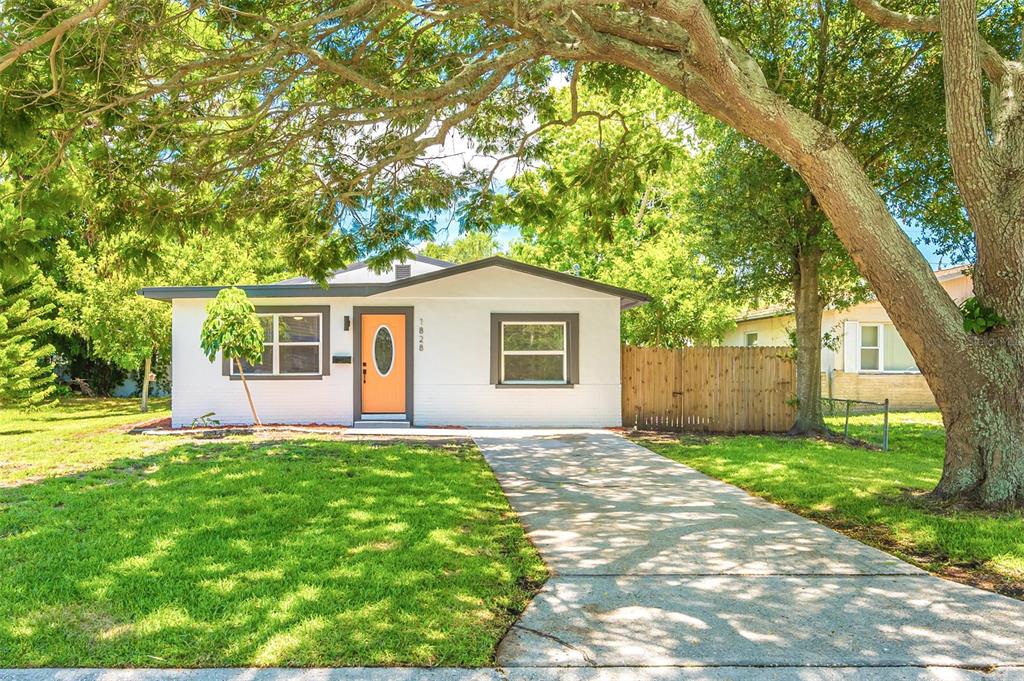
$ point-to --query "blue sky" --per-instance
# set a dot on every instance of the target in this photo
(448, 232)
(930, 255)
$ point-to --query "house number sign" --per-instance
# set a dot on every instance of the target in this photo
(420, 334)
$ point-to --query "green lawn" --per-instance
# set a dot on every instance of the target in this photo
(78, 435)
(872, 495)
(306, 552)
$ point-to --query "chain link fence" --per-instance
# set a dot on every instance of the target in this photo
(858, 420)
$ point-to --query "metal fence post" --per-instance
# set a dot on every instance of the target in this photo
(846, 427)
(885, 427)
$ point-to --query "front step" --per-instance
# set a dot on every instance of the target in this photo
(380, 423)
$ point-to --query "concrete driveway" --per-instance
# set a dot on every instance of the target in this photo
(657, 566)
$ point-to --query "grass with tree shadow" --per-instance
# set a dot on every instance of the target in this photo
(247, 551)
(875, 496)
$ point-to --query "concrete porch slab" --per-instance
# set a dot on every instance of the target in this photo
(409, 432)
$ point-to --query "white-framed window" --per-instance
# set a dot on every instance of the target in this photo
(292, 345)
(750, 339)
(534, 353)
(870, 347)
(882, 350)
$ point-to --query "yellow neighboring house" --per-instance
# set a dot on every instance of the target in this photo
(870, 361)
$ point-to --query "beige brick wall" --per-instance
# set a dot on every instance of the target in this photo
(904, 391)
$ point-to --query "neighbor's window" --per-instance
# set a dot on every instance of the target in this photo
(750, 340)
(870, 348)
(882, 349)
(533, 352)
(895, 353)
(291, 345)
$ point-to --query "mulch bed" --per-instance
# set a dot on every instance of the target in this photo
(162, 427)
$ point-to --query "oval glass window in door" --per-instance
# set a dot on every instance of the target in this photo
(383, 350)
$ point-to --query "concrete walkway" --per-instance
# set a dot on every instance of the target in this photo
(660, 568)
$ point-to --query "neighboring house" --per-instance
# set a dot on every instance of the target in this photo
(489, 343)
(870, 361)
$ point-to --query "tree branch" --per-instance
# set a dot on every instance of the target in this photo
(969, 145)
(54, 33)
(995, 66)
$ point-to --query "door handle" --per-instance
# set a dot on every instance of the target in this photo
(364, 372)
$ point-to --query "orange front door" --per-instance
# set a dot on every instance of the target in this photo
(383, 363)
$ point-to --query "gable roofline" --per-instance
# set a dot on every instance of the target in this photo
(431, 261)
(765, 313)
(947, 274)
(426, 259)
(627, 298)
(954, 272)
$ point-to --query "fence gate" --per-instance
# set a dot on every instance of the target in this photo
(727, 390)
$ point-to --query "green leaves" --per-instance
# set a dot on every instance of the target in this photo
(97, 302)
(467, 248)
(979, 318)
(754, 215)
(232, 328)
(26, 374)
(611, 202)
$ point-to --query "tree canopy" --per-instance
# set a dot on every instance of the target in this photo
(609, 200)
(466, 248)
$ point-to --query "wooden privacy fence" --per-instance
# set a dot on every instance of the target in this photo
(726, 390)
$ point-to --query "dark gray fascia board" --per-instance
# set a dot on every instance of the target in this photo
(265, 291)
(629, 298)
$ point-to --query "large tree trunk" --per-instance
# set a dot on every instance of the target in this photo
(984, 460)
(977, 381)
(807, 308)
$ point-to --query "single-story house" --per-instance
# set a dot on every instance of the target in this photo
(488, 343)
(868, 360)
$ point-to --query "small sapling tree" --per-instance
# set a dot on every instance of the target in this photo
(232, 328)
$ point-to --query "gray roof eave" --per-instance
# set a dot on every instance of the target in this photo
(628, 299)
(265, 291)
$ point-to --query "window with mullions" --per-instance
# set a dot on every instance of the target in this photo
(292, 345)
(882, 350)
(539, 350)
(533, 352)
